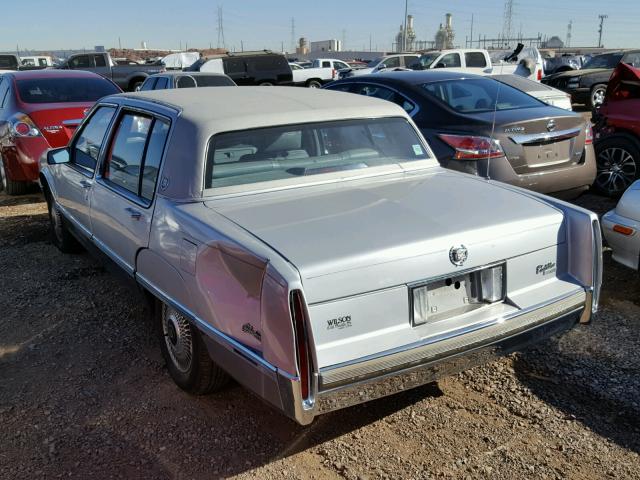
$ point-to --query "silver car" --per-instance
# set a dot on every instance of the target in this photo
(621, 228)
(308, 244)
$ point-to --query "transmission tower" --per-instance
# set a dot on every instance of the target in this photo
(293, 35)
(567, 43)
(344, 39)
(601, 17)
(221, 30)
(508, 19)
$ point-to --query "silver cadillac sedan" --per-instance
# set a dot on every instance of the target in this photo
(307, 243)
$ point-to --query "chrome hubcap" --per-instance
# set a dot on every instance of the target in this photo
(598, 97)
(177, 337)
(616, 169)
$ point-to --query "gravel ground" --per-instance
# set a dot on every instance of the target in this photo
(84, 393)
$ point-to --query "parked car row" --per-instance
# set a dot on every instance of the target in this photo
(309, 244)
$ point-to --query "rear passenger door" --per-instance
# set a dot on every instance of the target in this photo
(122, 198)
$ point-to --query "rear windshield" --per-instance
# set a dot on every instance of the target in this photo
(479, 95)
(213, 81)
(293, 151)
(522, 83)
(62, 90)
(8, 62)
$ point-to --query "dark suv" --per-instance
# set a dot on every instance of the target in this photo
(248, 68)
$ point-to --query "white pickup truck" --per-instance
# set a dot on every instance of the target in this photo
(526, 62)
(323, 70)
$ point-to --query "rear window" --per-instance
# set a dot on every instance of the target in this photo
(213, 81)
(294, 151)
(268, 62)
(479, 95)
(62, 90)
(8, 62)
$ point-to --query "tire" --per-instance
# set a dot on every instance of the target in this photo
(135, 85)
(265, 84)
(61, 237)
(617, 163)
(9, 186)
(185, 353)
(596, 98)
(314, 84)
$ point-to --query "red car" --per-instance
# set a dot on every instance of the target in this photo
(40, 110)
(617, 132)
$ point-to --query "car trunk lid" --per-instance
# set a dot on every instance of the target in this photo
(362, 236)
(58, 122)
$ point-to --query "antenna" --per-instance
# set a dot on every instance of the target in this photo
(567, 43)
(508, 20)
(601, 17)
(220, 29)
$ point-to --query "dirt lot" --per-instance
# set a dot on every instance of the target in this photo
(84, 393)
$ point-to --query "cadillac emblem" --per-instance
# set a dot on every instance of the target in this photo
(551, 126)
(458, 255)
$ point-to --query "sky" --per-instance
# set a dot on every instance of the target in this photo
(257, 24)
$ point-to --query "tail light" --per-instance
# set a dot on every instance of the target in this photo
(21, 125)
(333, 73)
(588, 139)
(298, 316)
(473, 148)
(539, 74)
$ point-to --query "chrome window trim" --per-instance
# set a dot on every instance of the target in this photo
(527, 138)
(383, 356)
(412, 113)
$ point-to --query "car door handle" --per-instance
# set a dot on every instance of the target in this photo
(135, 214)
(85, 184)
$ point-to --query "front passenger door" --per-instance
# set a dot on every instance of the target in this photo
(121, 201)
(74, 180)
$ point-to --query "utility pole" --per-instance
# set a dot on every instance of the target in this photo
(220, 29)
(508, 19)
(567, 43)
(119, 44)
(404, 28)
(293, 34)
(601, 17)
(471, 36)
(344, 40)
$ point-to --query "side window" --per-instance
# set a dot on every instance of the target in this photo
(4, 91)
(100, 61)
(391, 62)
(340, 65)
(385, 94)
(475, 59)
(124, 159)
(43, 62)
(161, 83)
(155, 149)
(326, 64)
(186, 82)
(234, 65)
(410, 60)
(81, 61)
(87, 146)
(149, 84)
(135, 153)
(450, 60)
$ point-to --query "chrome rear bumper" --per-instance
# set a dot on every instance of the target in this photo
(357, 382)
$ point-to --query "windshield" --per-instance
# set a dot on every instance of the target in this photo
(427, 59)
(604, 61)
(479, 95)
(294, 151)
(374, 62)
(62, 90)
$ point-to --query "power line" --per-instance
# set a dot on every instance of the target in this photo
(601, 17)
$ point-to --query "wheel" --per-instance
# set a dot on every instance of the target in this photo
(597, 95)
(265, 84)
(9, 186)
(186, 354)
(314, 84)
(618, 165)
(135, 85)
(61, 237)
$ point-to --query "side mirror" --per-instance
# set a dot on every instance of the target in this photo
(440, 65)
(58, 156)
